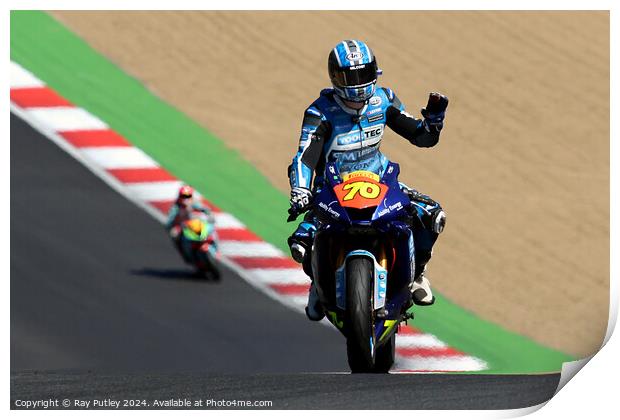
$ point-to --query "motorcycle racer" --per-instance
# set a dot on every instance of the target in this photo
(346, 123)
(180, 211)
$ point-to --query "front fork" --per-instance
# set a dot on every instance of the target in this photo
(388, 315)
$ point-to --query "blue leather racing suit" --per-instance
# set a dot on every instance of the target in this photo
(333, 131)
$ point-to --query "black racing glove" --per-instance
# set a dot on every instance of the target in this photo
(435, 112)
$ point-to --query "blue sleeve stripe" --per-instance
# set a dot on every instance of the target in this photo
(313, 111)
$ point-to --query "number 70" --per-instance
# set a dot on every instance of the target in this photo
(363, 188)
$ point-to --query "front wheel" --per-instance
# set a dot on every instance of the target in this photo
(206, 263)
(212, 268)
(359, 315)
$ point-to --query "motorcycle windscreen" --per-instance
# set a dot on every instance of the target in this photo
(364, 159)
(196, 230)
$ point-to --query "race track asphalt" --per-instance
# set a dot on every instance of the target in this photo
(102, 307)
(295, 391)
(96, 283)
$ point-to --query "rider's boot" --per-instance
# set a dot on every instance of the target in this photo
(300, 244)
(426, 227)
(314, 309)
(421, 292)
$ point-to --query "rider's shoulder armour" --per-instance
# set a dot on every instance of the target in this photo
(326, 103)
(321, 107)
(391, 97)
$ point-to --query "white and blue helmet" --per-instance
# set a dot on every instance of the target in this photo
(353, 70)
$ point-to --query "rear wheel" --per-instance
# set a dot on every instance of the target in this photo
(359, 315)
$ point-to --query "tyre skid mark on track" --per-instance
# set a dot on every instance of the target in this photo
(139, 178)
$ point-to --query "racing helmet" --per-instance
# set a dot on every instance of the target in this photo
(186, 193)
(353, 70)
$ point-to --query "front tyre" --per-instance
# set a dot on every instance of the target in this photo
(359, 315)
(211, 267)
(206, 263)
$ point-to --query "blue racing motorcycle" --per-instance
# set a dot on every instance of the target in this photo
(363, 260)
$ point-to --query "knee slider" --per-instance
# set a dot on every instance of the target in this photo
(439, 221)
(304, 234)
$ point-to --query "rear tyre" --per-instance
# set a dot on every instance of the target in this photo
(359, 315)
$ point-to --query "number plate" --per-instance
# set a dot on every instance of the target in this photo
(360, 190)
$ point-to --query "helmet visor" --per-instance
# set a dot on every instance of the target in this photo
(355, 76)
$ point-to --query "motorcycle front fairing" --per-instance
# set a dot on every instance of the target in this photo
(192, 243)
(376, 232)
